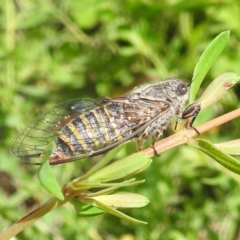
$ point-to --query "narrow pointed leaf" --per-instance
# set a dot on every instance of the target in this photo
(222, 158)
(117, 213)
(207, 59)
(109, 190)
(46, 176)
(104, 161)
(85, 210)
(231, 147)
(218, 88)
(87, 186)
(123, 200)
(128, 166)
(90, 211)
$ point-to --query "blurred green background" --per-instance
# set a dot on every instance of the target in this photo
(56, 50)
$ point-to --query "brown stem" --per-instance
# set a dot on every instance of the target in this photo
(183, 136)
(34, 215)
(27, 220)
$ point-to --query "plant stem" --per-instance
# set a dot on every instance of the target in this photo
(183, 136)
(27, 220)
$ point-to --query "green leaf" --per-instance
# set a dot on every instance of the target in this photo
(114, 186)
(116, 213)
(85, 210)
(46, 176)
(80, 186)
(107, 204)
(218, 88)
(222, 158)
(128, 166)
(123, 200)
(207, 59)
(104, 161)
(230, 147)
(90, 211)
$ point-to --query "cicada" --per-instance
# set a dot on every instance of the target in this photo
(83, 128)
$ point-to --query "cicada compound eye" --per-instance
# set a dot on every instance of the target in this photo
(182, 88)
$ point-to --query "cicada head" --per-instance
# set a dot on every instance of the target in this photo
(173, 91)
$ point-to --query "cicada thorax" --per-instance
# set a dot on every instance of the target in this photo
(169, 96)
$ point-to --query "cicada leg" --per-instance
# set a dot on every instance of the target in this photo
(154, 139)
(190, 114)
(144, 136)
(139, 145)
(140, 140)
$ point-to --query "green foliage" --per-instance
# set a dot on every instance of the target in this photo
(218, 88)
(207, 59)
(221, 157)
(46, 176)
(230, 147)
(53, 51)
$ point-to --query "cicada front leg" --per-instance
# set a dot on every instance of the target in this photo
(190, 114)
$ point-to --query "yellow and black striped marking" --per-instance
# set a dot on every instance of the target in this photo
(114, 132)
(89, 131)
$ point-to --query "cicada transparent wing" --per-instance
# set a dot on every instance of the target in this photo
(31, 143)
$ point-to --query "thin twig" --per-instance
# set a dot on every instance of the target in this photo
(183, 136)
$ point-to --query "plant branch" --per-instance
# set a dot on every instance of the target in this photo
(30, 218)
(183, 136)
